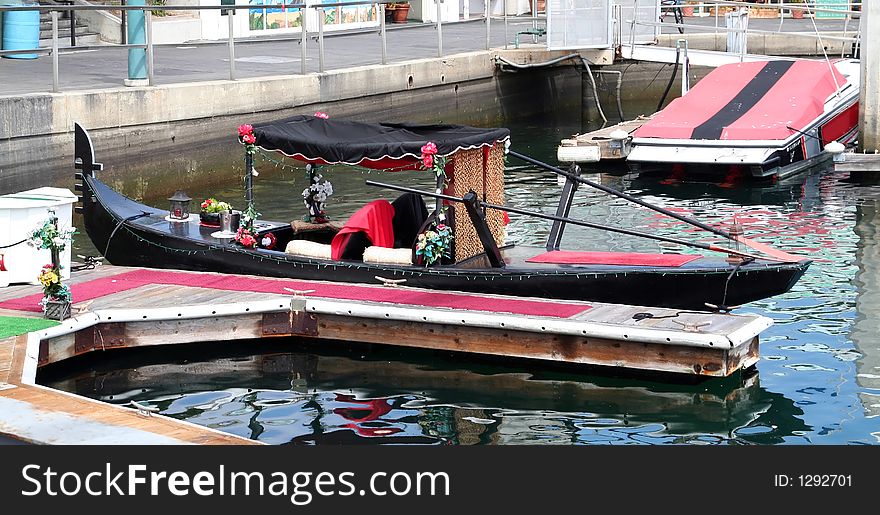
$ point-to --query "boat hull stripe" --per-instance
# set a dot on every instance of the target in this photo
(743, 101)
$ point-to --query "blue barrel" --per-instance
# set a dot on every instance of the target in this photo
(21, 31)
(137, 35)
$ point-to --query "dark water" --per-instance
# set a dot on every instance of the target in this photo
(818, 380)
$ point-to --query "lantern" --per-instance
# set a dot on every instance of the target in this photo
(179, 206)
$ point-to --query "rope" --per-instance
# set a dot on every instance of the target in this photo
(729, 277)
(13, 244)
(129, 219)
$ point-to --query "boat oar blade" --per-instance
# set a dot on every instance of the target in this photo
(775, 253)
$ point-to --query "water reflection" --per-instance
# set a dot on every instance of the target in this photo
(394, 396)
(866, 326)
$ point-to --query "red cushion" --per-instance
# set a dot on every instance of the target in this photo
(612, 258)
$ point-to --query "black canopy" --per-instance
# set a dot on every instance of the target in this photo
(343, 141)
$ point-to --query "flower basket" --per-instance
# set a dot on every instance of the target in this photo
(57, 309)
(212, 219)
(210, 211)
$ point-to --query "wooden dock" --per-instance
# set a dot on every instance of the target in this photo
(142, 307)
(857, 162)
(601, 144)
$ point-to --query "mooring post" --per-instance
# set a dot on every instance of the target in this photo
(869, 96)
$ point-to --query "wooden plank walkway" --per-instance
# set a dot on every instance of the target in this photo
(160, 312)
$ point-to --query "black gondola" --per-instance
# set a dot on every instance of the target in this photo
(133, 234)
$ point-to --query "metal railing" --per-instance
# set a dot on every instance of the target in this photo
(318, 33)
(786, 10)
(305, 33)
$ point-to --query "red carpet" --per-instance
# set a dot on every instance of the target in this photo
(612, 258)
(136, 278)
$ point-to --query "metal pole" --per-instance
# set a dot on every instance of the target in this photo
(439, 29)
(123, 16)
(231, 44)
(504, 10)
(321, 39)
(488, 22)
(685, 68)
(72, 15)
(302, 41)
(149, 22)
(55, 82)
(382, 33)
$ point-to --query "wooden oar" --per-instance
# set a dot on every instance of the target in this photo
(629, 232)
(776, 254)
(612, 191)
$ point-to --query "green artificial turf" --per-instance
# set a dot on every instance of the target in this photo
(13, 326)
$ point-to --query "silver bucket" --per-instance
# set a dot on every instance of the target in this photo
(230, 220)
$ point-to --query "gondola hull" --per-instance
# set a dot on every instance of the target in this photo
(132, 234)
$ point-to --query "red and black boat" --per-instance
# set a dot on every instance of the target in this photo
(469, 199)
(753, 119)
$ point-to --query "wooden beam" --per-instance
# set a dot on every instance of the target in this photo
(506, 343)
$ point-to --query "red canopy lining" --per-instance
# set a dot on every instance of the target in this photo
(387, 163)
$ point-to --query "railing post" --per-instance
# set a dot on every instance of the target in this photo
(439, 29)
(231, 44)
(148, 14)
(382, 33)
(72, 15)
(123, 16)
(304, 36)
(55, 82)
(488, 15)
(504, 11)
(321, 39)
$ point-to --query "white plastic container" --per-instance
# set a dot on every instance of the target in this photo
(20, 214)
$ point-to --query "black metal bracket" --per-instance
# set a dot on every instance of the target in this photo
(564, 207)
(472, 203)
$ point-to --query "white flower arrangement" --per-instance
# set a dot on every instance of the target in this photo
(319, 191)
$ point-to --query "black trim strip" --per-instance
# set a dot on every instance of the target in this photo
(746, 99)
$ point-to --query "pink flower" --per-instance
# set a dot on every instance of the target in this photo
(319, 114)
(245, 129)
(250, 139)
(429, 148)
(441, 227)
(428, 160)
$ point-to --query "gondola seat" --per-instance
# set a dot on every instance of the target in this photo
(309, 249)
(369, 225)
(382, 255)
